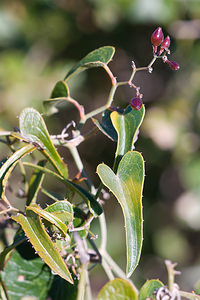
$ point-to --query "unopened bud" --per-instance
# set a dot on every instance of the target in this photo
(157, 37)
(165, 45)
(173, 65)
(136, 103)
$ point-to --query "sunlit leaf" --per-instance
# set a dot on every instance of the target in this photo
(127, 187)
(147, 290)
(51, 218)
(33, 128)
(117, 289)
(93, 205)
(23, 277)
(126, 125)
(35, 231)
(35, 184)
(96, 58)
(62, 210)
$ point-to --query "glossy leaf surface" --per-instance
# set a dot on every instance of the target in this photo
(117, 289)
(33, 128)
(148, 289)
(35, 231)
(127, 187)
(96, 58)
(26, 278)
(62, 210)
(126, 125)
(49, 217)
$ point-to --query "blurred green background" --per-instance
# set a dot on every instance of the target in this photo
(41, 39)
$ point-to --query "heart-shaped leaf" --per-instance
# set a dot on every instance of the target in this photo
(127, 187)
(126, 125)
(33, 128)
(97, 58)
(51, 218)
(117, 289)
(147, 290)
(26, 279)
(35, 231)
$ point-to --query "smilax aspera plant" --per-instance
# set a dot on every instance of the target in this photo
(53, 248)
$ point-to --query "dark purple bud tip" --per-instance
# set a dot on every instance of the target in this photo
(136, 103)
(173, 65)
(157, 37)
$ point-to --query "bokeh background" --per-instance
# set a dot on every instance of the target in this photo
(41, 39)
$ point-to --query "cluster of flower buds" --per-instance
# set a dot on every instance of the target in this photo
(157, 40)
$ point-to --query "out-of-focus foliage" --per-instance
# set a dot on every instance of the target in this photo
(40, 39)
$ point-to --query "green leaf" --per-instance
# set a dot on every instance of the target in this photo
(93, 205)
(35, 231)
(62, 210)
(19, 238)
(33, 128)
(97, 58)
(127, 187)
(106, 126)
(26, 278)
(148, 289)
(126, 125)
(59, 94)
(7, 168)
(35, 183)
(117, 289)
(49, 217)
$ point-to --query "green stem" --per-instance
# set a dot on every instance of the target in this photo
(103, 228)
(189, 295)
(107, 269)
(116, 269)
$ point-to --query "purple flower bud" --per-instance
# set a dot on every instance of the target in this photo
(136, 103)
(173, 65)
(165, 45)
(157, 37)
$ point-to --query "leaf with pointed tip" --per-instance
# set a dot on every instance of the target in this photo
(148, 289)
(35, 231)
(62, 210)
(126, 125)
(51, 218)
(127, 187)
(97, 58)
(33, 128)
(35, 183)
(117, 289)
(7, 168)
(26, 279)
(59, 94)
(106, 126)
